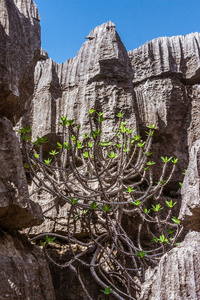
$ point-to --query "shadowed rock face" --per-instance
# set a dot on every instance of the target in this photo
(24, 272)
(19, 51)
(16, 210)
(177, 275)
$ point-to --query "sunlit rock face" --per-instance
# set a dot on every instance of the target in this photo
(190, 208)
(156, 83)
(19, 52)
(167, 55)
(99, 77)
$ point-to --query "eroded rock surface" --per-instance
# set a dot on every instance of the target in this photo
(16, 210)
(167, 55)
(190, 207)
(19, 52)
(103, 76)
(156, 83)
(178, 273)
(24, 272)
(99, 77)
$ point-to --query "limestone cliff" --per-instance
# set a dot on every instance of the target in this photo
(24, 271)
(19, 51)
(156, 83)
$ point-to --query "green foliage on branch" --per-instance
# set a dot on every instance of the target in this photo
(105, 177)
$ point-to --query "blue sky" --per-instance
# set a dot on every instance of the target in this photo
(65, 23)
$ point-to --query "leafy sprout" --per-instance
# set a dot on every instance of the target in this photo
(141, 144)
(170, 204)
(95, 133)
(149, 133)
(67, 146)
(130, 190)
(137, 137)
(40, 141)
(150, 163)
(48, 161)
(112, 154)
(94, 205)
(70, 122)
(106, 208)
(175, 160)
(107, 290)
(141, 254)
(147, 211)
(104, 143)
(74, 201)
(120, 114)
(170, 231)
(59, 146)
(157, 208)
(53, 152)
(175, 220)
(63, 121)
(118, 145)
(85, 154)
(47, 240)
(91, 111)
(166, 159)
(136, 202)
(151, 126)
(163, 239)
(86, 135)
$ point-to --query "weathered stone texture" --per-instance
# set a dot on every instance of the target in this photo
(100, 76)
(193, 92)
(178, 273)
(19, 51)
(167, 55)
(163, 101)
(16, 210)
(156, 83)
(24, 272)
(190, 207)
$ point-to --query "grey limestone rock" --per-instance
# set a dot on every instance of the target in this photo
(16, 210)
(24, 272)
(167, 55)
(19, 52)
(100, 77)
(190, 206)
(178, 273)
(156, 83)
(193, 92)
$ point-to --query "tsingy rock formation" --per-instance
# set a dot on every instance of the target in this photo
(156, 83)
(24, 271)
